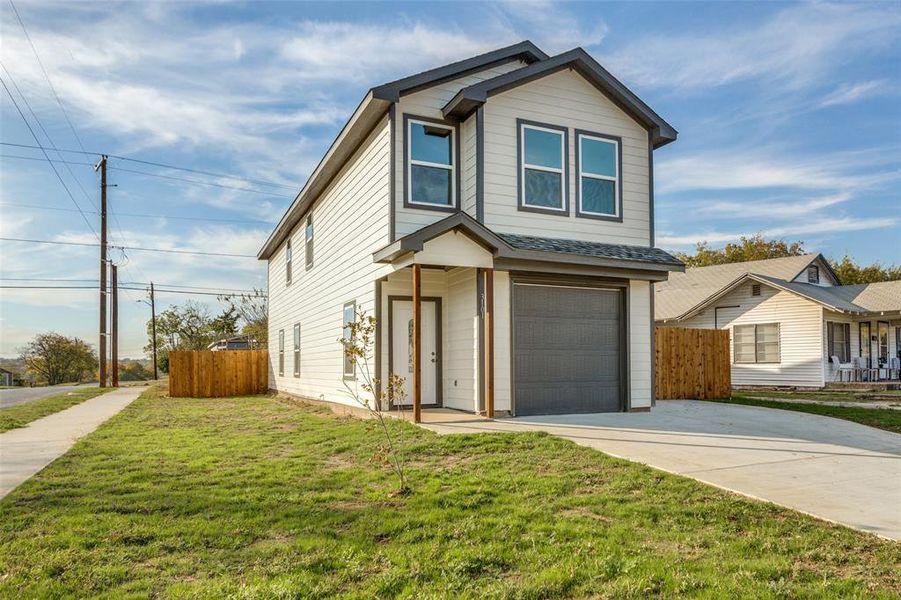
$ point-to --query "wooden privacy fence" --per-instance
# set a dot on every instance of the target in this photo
(207, 374)
(692, 363)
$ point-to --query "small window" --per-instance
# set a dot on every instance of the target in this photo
(308, 244)
(430, 169)
(813, 274)
(297, 349)
(756, 343)
(542, 162)
(281, 351)
(348, 316)
(838, 340)
(864, 335)
(598, 168)
(755, 289)
(288, 255)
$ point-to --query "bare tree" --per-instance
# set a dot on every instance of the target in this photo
(253, 312)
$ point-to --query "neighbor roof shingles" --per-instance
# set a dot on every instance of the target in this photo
(595, 249)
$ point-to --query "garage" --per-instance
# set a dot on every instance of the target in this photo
(568, 349)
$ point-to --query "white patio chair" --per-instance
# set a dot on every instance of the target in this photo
(842, 368)
(894, 368)
(862, 369)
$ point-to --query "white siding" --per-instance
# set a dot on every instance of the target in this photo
(640, 330)
(568, 100)
(800, 334)
(825, 276)
(351, 221)
(503, 359)
(468, 164)
(461, 342)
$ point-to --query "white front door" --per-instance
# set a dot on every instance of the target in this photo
(402, 349)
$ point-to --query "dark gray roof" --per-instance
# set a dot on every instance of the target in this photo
(594, 249)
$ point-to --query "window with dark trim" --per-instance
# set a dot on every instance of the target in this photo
(348, 315)
(813, 274)
(543, 160)
(599, 173)
(281, 351)
(308, 243)
(431, 169)
(838, 340)
(297, 349)
(288, 257)
(756, 343)
(755, 289)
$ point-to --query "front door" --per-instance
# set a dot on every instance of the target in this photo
(402, 349)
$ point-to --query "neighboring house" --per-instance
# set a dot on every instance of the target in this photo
(6, 377)
(238, 342)
(515, 191)
(786, 318)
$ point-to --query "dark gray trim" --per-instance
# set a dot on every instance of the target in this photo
(344, 374)
(574, 270)
(619, 176)
(459, 220)
(392, 174)
(480, 311)
(455, 128)
(295, 350)
(480, 165)
(653, 347)
(625, 340)
(716, 321)
(378, 341)
(520, 202)
(469, 98)
(439, 371)
(392, 91)
(652, 238)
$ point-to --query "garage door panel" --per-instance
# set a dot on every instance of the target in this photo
(567, 349)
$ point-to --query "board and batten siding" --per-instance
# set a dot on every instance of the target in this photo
(639, 344)
(428, 103)
(801, 334)
(564, 99)
(350, 222)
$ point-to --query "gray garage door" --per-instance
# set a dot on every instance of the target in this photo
(567, 350)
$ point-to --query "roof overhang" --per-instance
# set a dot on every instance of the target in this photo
(467, 100)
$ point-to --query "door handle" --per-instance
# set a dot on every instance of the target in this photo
(434, 358)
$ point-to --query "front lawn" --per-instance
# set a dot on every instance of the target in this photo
(257, 497)
(881, 418)
(21, 415)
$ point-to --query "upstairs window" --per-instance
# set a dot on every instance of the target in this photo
(308, 244)
(813, 274)
(288, 263)
(430, 165)
(756, 343)
(599, 180)
(542, 164)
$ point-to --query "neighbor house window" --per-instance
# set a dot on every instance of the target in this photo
(598, 165)
(288, 255)
(755, 289)
(308, 244)
(348, 318)
(813, 274)
(542, 164)
(430, 165)
(281, 351)
(863, 332)
(756, 343)
(297, 349)
(838, 339)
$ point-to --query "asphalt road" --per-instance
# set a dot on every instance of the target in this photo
(22, 395)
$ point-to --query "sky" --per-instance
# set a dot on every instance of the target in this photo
(789, 120)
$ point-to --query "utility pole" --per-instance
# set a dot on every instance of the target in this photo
(102, 167)
(156, 375)
(114, 340)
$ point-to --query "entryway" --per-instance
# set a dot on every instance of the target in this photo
(400, 319)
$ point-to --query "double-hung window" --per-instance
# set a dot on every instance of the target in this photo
(542, 168)
(598, 164)
(297, 349)
(308, 245)
(288, 256)
(348, 316)
(431, 173)
(756, 343)
(813, 274)
(281, 351)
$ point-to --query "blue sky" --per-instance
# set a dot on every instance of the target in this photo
(789, 119)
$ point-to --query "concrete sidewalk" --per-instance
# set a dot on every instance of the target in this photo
(830, 468)
(25, 451)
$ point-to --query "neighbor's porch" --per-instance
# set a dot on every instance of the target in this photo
(862, 349)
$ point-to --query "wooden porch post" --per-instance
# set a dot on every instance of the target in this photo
(417, 343)
(489, 343)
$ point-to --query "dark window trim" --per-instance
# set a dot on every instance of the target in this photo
(864, 342)
(297, 349)
(520, 200)
(816, 274)
(618, 218)
(289, 261)
(757, 361)
(830, 339)
(348, 376)
(455, 128)
(281, 352)
(308, 242)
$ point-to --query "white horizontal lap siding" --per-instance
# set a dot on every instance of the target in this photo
(428, 103)
(461, 340)
(640, 331)
(800, 335)
(350, 222)
(468, 165)
(564, 99)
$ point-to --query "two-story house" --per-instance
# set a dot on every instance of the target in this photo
(497, 214)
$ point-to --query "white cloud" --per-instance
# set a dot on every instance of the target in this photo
(783, 207)
(849, 93)
(822, 226)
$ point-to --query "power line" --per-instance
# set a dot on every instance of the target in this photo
(141, 215)
(135, 248)
(94, 287)
(58, 161)
(168, 285)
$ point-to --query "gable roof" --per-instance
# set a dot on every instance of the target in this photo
(470, 98)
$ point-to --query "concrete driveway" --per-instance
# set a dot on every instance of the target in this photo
(21, 395)
(829, 468)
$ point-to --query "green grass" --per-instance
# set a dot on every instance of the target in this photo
(881, 418)
(261, 498)
(828, 395)
(21, 415)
